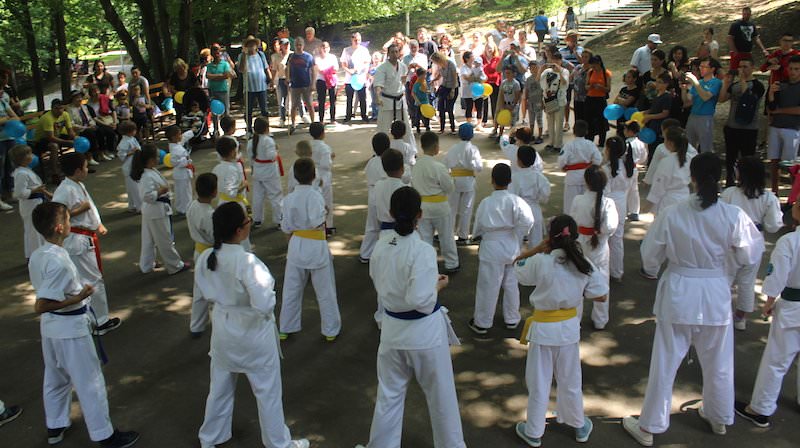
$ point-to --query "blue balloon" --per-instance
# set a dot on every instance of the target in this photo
(20, 141)
(477, 90)
(161, 155)
(81, 144)
(629, 112)
(34, 162)
(14, 128)
(647, 135)
(217, 107)
(356, 82)
(167, 104)
(31, 134)
(613, 112)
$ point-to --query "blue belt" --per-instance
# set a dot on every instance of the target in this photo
(791, 294)
(101, 352)
(387, 225)
(77, 312)
(760, 227)
(164, 199)
(413, 314)
(38, 196)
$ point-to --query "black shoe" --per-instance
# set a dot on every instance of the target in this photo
(330, 231)
(10, 414)
(476, 329)
(196, 334)
(462, 241)
(120, 439)
(512, 326)
(452, 270)
(55, 436)
(644, 274)
(762, 421)
(111, 324)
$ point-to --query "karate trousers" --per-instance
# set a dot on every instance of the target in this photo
(89, 271)
(745, 281)
(327, 194)
(671, 342)
(183, 195)
(72, 363)
(199, 317)
(783, 346)
(633, 197)
(132, 188)
(433, 370)
(157, 234)
(33, 239)
(443, 225)
(372, 230)
(491, 276)
(461, 205)
(616, 247)
(324, 283)
(267, 188)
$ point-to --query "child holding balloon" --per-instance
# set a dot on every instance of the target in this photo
(421, 99)
(30, 191)
(508, 101)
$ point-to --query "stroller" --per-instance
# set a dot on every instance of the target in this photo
(196, 119)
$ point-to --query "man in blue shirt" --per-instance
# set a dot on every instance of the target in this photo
(540, 28)
(218, 72)
(299, 73)
(702, 95)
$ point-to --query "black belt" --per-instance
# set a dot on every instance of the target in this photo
(394, 104)
(164, 199)
(38, 196)
(791, 294)
(393, 97)
(387, 225)
(413, 314)
(76, 312)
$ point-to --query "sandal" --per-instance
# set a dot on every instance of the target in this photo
(566, 127)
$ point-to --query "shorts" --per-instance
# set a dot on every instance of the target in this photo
(782, 143)
(736, 57)
(569, 94)
(540, 34)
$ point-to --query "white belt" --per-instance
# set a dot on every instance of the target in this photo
(696, 272)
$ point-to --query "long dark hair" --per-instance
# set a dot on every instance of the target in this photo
(596, 181)
(405, 206)
(596, 59)
(752, 176)
(678, 138)
(616, 150)
(706, 170)
(140, 158)
(679, 63)
(227, 219)
(260, 126)
(563, 234)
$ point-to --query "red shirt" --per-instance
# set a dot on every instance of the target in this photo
(490, 68)
(782, 74)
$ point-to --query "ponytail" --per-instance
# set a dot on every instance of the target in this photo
(629, 163)
(706, 170)
(227, 219)
(405, 206)
(140, 158)
(563, 234)
(680, 143)
(596, 181)
(616, 151)
(752, 176)
(260, 126)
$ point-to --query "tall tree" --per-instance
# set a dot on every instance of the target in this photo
(163, 27)
(22, 12)
(64, 63)
(152, 40)
(130, 44)
(253, 11)
(184, 29)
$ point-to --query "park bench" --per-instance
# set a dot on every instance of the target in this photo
(166, 118)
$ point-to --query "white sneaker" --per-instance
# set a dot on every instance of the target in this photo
(631, 426)
(717, 428)
(93, 162)
(740, 325)
(306, 119)
(107, 157)
(302, 443)
(5, 207)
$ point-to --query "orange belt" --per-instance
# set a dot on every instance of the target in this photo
(277, 159)
(588, 231)
(95, 243)
(577, 166)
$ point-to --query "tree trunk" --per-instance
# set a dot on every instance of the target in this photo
(65, 65)
(184, 29)
(130, 43)
(200, 38)
(23, 14)
(166, 36)
(253, 11)
(408, 23)
(152, 40)
(52, 64)
(656, 7)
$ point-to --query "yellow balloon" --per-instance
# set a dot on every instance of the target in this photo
(179, 97)
(504, 118)
(487, 89)
(427, 110)
(168, 160)
(638, 117)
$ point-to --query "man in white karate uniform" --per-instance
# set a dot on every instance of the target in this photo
(389, 82)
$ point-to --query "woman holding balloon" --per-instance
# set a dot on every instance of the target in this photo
(472, 78)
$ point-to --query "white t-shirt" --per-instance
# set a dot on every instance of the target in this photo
(325, 63)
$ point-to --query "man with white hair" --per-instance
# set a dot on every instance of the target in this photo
(390, 78)
(641, 57)
(312, 43)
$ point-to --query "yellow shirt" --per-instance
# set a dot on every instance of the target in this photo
(50, 123)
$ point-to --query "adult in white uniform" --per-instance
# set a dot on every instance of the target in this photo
(30, 191)
(693, 300)
(416, 332)
(244, 338)
(201, 230)
(389, 82)
(373, 172)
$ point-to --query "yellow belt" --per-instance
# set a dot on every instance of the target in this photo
(434, 198)
(240, 198)
(200, 247)
(546, 316)
(461, 172)
(312, 234)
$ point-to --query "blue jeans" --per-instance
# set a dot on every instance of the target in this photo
(252, 97)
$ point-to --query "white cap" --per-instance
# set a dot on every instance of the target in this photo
(654, 38)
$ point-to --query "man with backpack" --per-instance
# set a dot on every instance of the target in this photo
(741, 129)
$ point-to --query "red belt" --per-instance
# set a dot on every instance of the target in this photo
(95, 243)
(588, 231)
(277, 159)
(578, 166)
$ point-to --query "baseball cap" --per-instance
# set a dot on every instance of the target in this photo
(654, 38)
(572, 33)
(284, 40)
(466, 131)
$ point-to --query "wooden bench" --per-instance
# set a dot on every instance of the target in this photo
(166, 118)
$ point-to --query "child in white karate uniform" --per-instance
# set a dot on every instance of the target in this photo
(432, 180)
(70, 359)
(83, 243)
(763, 208)
(30, 191)
(563, 278)
(416, 333)
(782, 286)
(373, 172)
(303, 151)
(308, 255)
(693, 300)
(522, 137)
(464, 161)
(231, 183)
(670, 183)
(531, 185)
(398, 131)
(182, 168)
(638, 151)
(661, 151)
(156, 214)
(597, 220)
(575, 157)
(620, 173)
(267, 171)
(323, 156)
(500, 223)
(126, 147)
(243, 338)
(201, 229)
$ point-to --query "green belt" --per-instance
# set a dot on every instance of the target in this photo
(791, 294)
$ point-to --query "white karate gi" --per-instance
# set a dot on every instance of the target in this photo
(321, 154)
(243, 340)
(463, 156)
(304, 209)
(292, 183)
(391, 80)
(266, 179)
(25, 180)
(659, 154)
(230, 178)
(404, 273)
(531, 185)
(199, 220)
(156, 224)
(409, 157)
(783, 344)
(373, 172)
(81, 248)
(639, 150)
(618, 190)
(578, 151)
(181, 174)
(126, 147)
(765, 211)
(70, 359)
(693, 303)
(670, 183)
(553, 346)
(431, 179)
(510, 151)
(383, 191)
(502, 220)
(583, 213)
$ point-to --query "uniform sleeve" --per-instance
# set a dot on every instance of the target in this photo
(524, 218)
(206, 228)
(421, 292)
(654, 245)
(477, 228)
(180, 157)
(445, 180)
(597, 158)
(780, 264)
(57, 282)
(748, 243)
(612, 217)
(148, 188)
(508, 149)
(658, 183)
(477, 161)
(563, 158)
(260, 285)
(597, 285)
(22, 188)
(528, 269)
(64, 196)
(773, 217)
(380, 78)
(543, 190)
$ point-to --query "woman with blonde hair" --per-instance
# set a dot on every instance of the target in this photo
(181, 80)
(491, 59)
